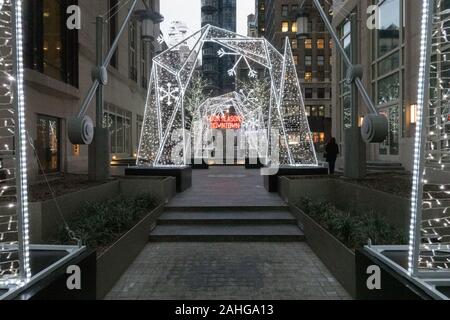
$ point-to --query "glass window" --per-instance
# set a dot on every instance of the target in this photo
(132, 51)
(294, 44)
(48, 142)
(389, 89)
(345, 97)
(119, 123)
(321, 111)
(308, 93)
(284, 10)
(320, 60)
(314, 111)
(49, 47)
(308, 60)
(308, 111)
(320, 44)
(113, 24)
(391, 144)
(145, 70)
(388, 33)
(285, 26)
(308, 76)
(320, 93)
(296, 60)
(308, 43)
(294, 27)
(388, 64)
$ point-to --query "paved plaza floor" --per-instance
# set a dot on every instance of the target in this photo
(227, 270)
(234, 271)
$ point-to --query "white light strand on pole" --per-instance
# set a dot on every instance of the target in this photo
(430, 204)
(14, 220)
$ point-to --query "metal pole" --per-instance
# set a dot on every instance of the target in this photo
(99, 58)
(93, 89)
(354, 57)
(362, 90)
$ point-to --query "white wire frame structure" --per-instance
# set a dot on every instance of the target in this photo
(429, 247)
(14, 221)
(252, 138)
(165, 126)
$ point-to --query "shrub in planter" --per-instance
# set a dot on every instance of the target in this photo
(352, 228)
(100, 224)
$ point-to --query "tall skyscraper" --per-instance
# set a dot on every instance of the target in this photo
(222, 14)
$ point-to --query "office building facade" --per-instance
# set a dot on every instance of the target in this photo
(58, 65)
(312, 56)
(222, 14)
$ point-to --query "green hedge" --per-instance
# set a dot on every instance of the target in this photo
(352, 228)
(100, 224)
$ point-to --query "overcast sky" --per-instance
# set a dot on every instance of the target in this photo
(189, 11)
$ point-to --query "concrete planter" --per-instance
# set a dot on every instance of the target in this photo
(339, 259)
(112, 263)
(345, 195)
(45, 220)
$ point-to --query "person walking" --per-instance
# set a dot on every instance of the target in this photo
(331, 153)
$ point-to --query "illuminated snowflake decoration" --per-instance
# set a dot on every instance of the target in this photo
(169, 94)
(165, 115)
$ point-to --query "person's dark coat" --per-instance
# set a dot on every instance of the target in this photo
(332, 151)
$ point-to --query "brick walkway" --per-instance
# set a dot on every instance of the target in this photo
(238, 271)
(227, 270)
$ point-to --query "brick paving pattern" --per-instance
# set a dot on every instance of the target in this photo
(238, 271)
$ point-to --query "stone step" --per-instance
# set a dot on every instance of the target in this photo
(383, 164)
(218, 233)
(391, 168)
(227, 217)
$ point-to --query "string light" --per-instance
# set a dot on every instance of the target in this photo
(429, 248)
(170, 79)
(14, 220)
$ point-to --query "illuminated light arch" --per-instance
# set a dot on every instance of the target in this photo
(14, 221)
(169, 81)
(247, 118)
(429, 247)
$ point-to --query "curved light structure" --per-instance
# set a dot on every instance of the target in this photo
(165, 116)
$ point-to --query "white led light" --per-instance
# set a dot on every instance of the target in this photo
(429, 245)
(172, 71)
(14, 253)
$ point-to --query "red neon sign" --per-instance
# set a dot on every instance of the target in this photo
(225, 122)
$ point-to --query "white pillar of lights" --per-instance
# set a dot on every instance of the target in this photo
(14, 233)
(429, 246)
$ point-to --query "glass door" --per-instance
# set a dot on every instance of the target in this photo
(48, 143)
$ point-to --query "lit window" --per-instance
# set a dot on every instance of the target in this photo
(294, 44)
(308, 43)
(294, 27)
(296, 60)
(322, 137)
(308, 111)
(285, 26)
(322, 111)
(331, 44)
(320, 43)
(308, 76)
